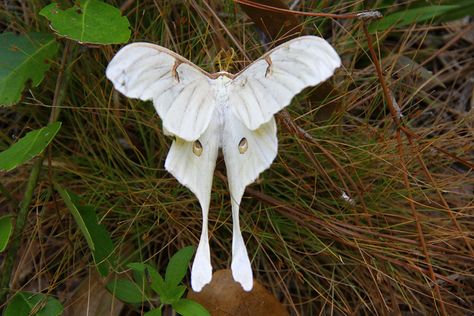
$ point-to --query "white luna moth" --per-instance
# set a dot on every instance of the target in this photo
(235, 112)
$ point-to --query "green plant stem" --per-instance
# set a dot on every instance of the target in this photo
(59, 93)
(18, 230)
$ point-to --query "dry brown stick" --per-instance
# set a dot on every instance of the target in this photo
(339, 228)
(396, 119)
(418, 224)
(408, 133)
(323, 228)
(126, 5)
(335, 229)
(364, 15)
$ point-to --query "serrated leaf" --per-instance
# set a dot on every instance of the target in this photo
(187, 307)
(97, 237)
(23, 303)
(177, 266)
(126, 291)
(409, 16)
(6, 227)
(29, 146)
(89, 21)
(22, 58)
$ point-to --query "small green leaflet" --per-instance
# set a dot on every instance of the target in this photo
(126, 291)
(22, 58)
(28, 147)
(89, 21)
(178, 265)
(147, 276)
(172, 294)
(187, 307)
(24, 302)
(145, 270)
(169, 292)
(409, 16)
(96, 235)
(153, 312)
(6, 227)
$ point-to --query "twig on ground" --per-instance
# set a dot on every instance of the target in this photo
(365, 15)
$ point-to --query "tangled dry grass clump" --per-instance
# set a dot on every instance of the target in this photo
(367, 210)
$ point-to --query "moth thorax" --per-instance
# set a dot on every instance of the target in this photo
(197, 148)
(243, 145)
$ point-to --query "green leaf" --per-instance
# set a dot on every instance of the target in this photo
(187, 307)
(96, 235)
(28, 147)
(153, 312)
(66, 196)
(89, 21)
(6, 227)
(177, 266)
(22, 58)
(409, 16)
(152, 276)
(23, 303)
(143, 274)
(464, 8)
(137, 266)
(157, 283)
(172, 295)
(139, 273)
(126, 291)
